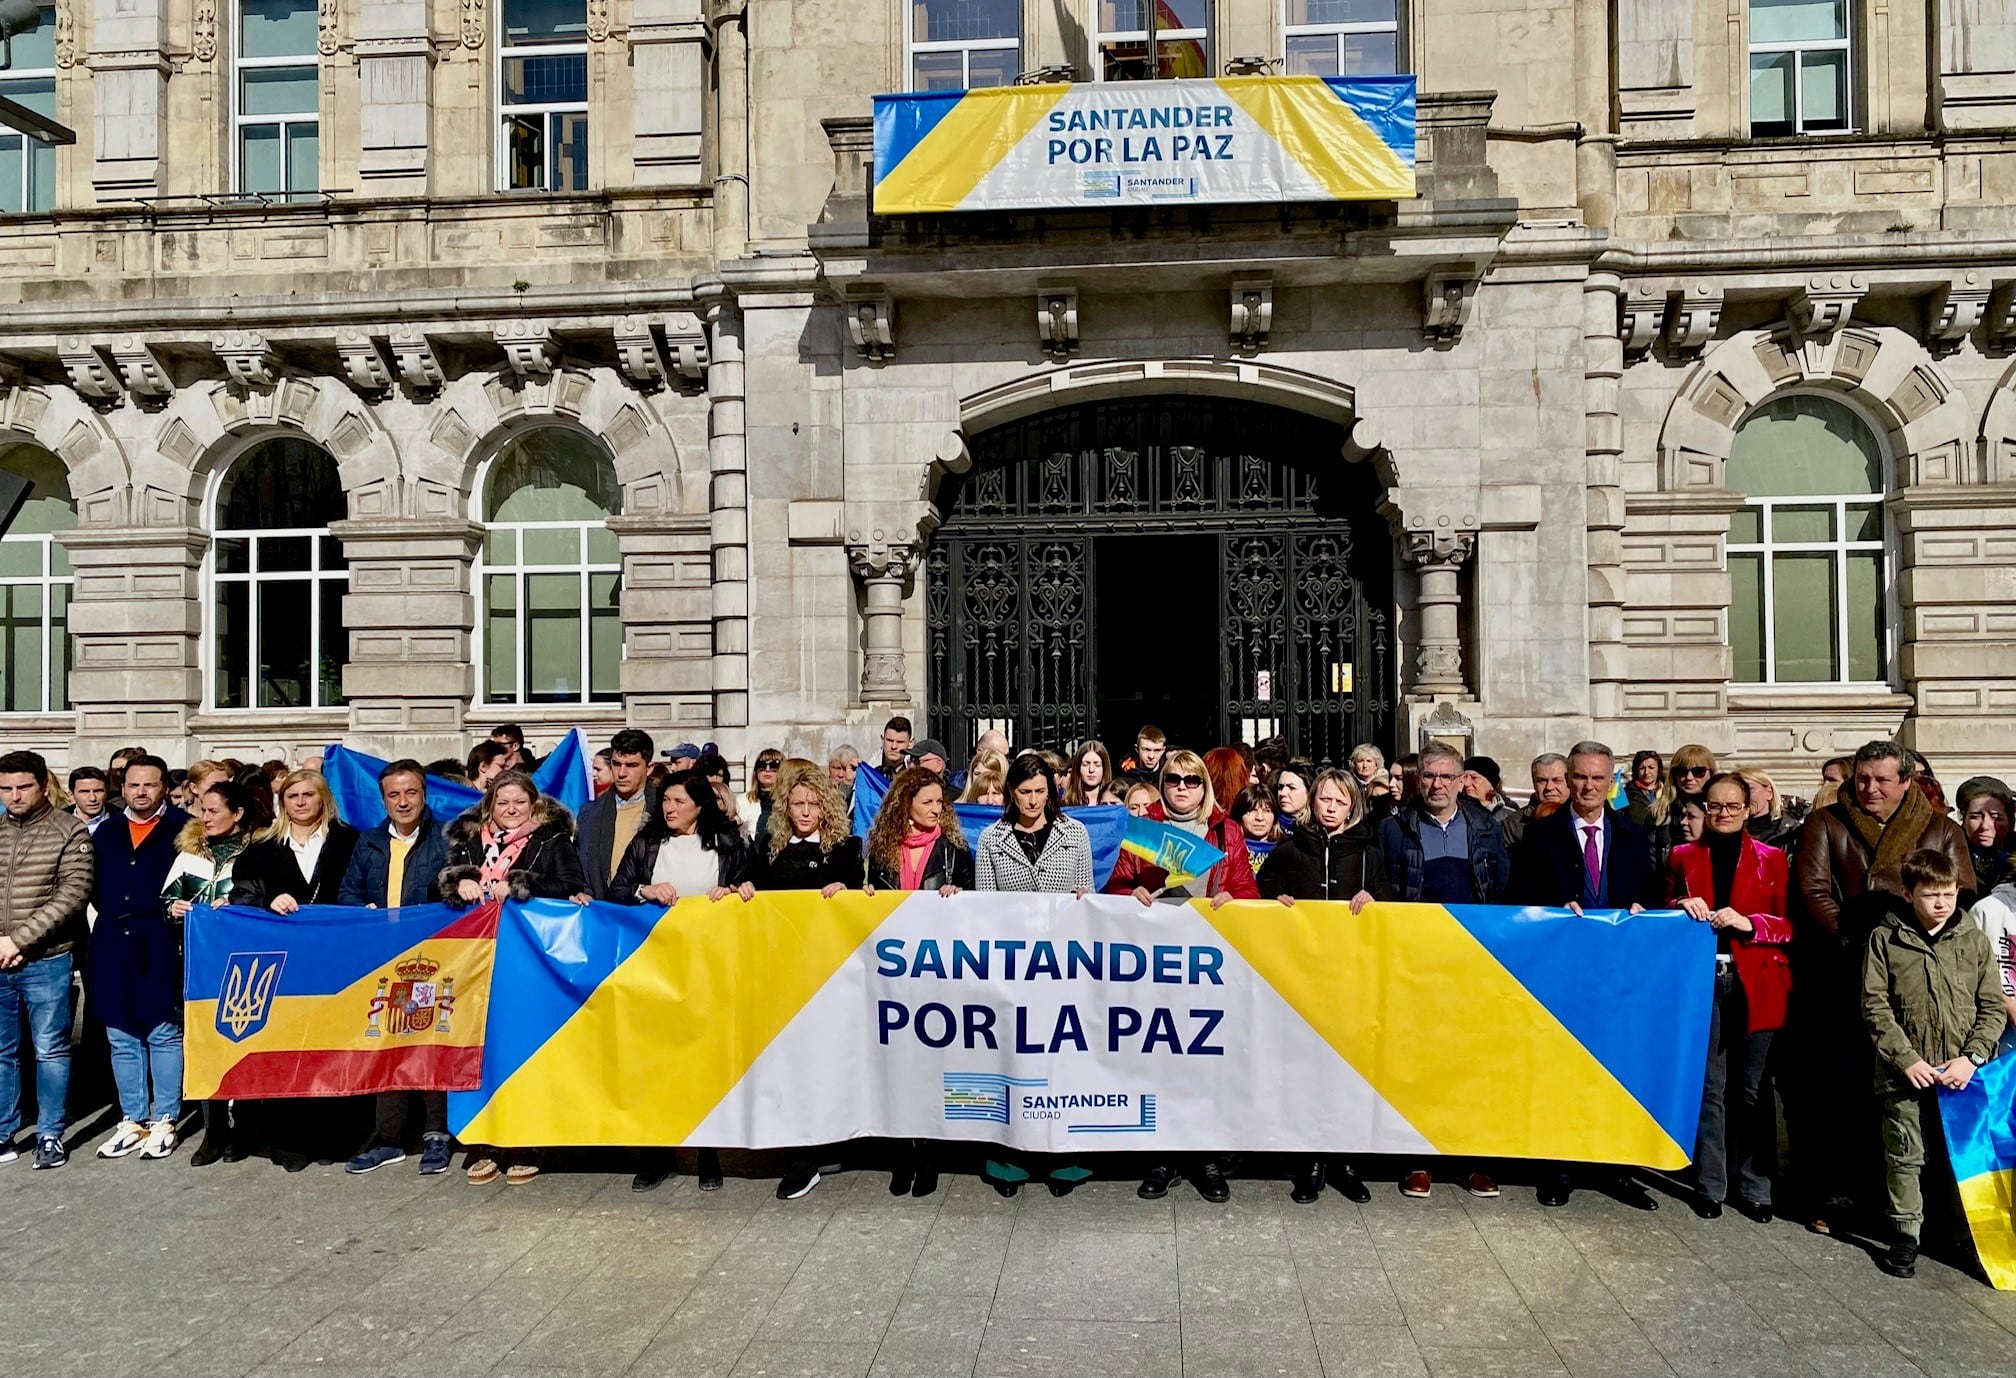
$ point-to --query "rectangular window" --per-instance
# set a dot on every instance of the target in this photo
(1342, 38)
(276, 96)
(957, 45)
(1800, 68)
(542, 96)
(1808, 591)
(1148, 40)
(27, 165)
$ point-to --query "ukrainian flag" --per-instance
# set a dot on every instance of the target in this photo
(1184, 855)
(335, 1001)
(1981, 1141)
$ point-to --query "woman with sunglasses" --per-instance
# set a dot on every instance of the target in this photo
(762, 788)
(1737, 884)
(1686, 778)
(1187, 803)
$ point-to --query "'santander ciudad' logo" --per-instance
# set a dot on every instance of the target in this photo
(990, 1097)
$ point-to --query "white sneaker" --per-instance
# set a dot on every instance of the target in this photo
(8, 1153)
(161, 1140)
(129, 1136)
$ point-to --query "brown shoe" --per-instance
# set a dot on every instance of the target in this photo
(1481, 1185)
(1418, 1183)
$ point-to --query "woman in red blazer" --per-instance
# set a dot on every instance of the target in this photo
(1738, 884)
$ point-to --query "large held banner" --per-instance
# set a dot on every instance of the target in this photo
(1105, 824)
(1195, 142)
(353, 779)
(1053, 1024)
(334, 1001)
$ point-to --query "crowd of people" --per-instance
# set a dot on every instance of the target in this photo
(1865, 937)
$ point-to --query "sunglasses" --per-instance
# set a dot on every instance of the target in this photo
(768, 765)
(1690, 770)
(1191, 781)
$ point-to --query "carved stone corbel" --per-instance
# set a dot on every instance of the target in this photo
(1252, 313)
(417, 362)
(1694, 318)
(531, 349)
(145, 375)
(1057, 321)
(90, 374)
(637, 351)
(247, 357)
(2002, 314)
(363, 361)
(1825, 303)
(1642, 313)
(686, 342)
(1954, 311)
(1446, 300)
(871, 325)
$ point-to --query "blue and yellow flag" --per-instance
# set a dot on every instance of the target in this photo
(1184, 855)
(1980, 1127)
(334, 1001)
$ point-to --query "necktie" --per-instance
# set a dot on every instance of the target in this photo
(1591, 862)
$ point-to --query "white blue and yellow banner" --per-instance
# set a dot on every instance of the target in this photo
(1193, 142)
(1048, 1023)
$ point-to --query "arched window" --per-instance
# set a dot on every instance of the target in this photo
(277, 579)
(1807, 564)
(550, 572)
(35, 585)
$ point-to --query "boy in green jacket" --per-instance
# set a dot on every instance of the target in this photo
(1933, 1001)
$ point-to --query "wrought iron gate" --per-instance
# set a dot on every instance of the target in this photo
(1301, 628)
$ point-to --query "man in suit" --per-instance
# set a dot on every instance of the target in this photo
(612, 819)
(1587, 856)
(397, 863)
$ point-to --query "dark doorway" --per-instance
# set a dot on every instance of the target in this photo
(1152, 676)
(1213, 566)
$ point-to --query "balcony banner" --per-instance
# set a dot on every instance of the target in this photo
(1050, 1023)
(1195, 142)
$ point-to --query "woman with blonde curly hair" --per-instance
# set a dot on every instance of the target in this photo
(809, 846)
(984, 779)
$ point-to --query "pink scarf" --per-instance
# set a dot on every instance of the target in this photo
(500, 855)
(916, 854)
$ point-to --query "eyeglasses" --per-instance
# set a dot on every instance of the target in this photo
(1690, 770)
(1725, 808)
(1187, 781)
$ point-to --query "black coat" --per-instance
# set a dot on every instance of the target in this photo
(1310, 864)
(549, 868)
(948, 865)
(1547, 869)
(596, 837)
(267, 870)
(803, 866)
(731, 856)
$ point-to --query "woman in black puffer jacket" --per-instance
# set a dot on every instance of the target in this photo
(516, 843)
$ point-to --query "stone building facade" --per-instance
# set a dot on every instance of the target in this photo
(1677, 407)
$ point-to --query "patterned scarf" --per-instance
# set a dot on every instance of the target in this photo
(500, 854)
(1890, 842)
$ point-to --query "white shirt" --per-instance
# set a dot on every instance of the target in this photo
(1583, 830)
(307, 854)
(1995, 914)
(686, 866)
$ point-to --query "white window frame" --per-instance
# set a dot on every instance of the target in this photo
(1339, 32)
(315, 576)
(1839, 548)
(240, 121)
(483, 569)
(52, 646)
(1845, 45)
(1153, 35)
(505, 111)
(965, 47)
(29, 143)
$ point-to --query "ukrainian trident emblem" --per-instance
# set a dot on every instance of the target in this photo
(245, 1000)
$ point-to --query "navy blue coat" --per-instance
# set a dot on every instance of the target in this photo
(371, 866)
(133, 970)
(1547, 868)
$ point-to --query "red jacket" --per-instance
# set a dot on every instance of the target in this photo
(1233, 875)
(1758, 892)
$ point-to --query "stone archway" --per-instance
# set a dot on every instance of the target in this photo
(58, 420)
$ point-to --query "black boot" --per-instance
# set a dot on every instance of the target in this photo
(216, 1146)
(1308, 1184)
(1900, 1260)
(710, 1170)
(1347, 1181)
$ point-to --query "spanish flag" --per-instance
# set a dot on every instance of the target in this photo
(1980, 1125)
(335, 1001)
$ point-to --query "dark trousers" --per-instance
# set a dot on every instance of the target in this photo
(395, 1114)
(1738, 1126)
(1829, 1080)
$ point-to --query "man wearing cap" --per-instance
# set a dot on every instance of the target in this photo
(930, 754)
(680, 759)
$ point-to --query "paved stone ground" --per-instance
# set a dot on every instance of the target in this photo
(152, 1268)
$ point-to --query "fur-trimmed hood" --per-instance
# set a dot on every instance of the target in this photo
(191, 842)
(465, 831)
(548, 865)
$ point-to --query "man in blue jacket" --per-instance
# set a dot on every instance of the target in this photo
(395, 864)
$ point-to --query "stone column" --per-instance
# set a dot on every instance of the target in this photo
(731, 129)
(884, 572)
(1603, 443)
(668, 58)
(129, 96)
(1439, 554)
(410, 676)
(728, 509)
(137, 627)
(395, 57)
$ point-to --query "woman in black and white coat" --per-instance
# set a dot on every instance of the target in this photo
(1035, 849)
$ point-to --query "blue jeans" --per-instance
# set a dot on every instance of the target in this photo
(133, 1057)
(44, 987)
(1739, 1124)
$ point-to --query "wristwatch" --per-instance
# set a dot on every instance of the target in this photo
(1977, 1059)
